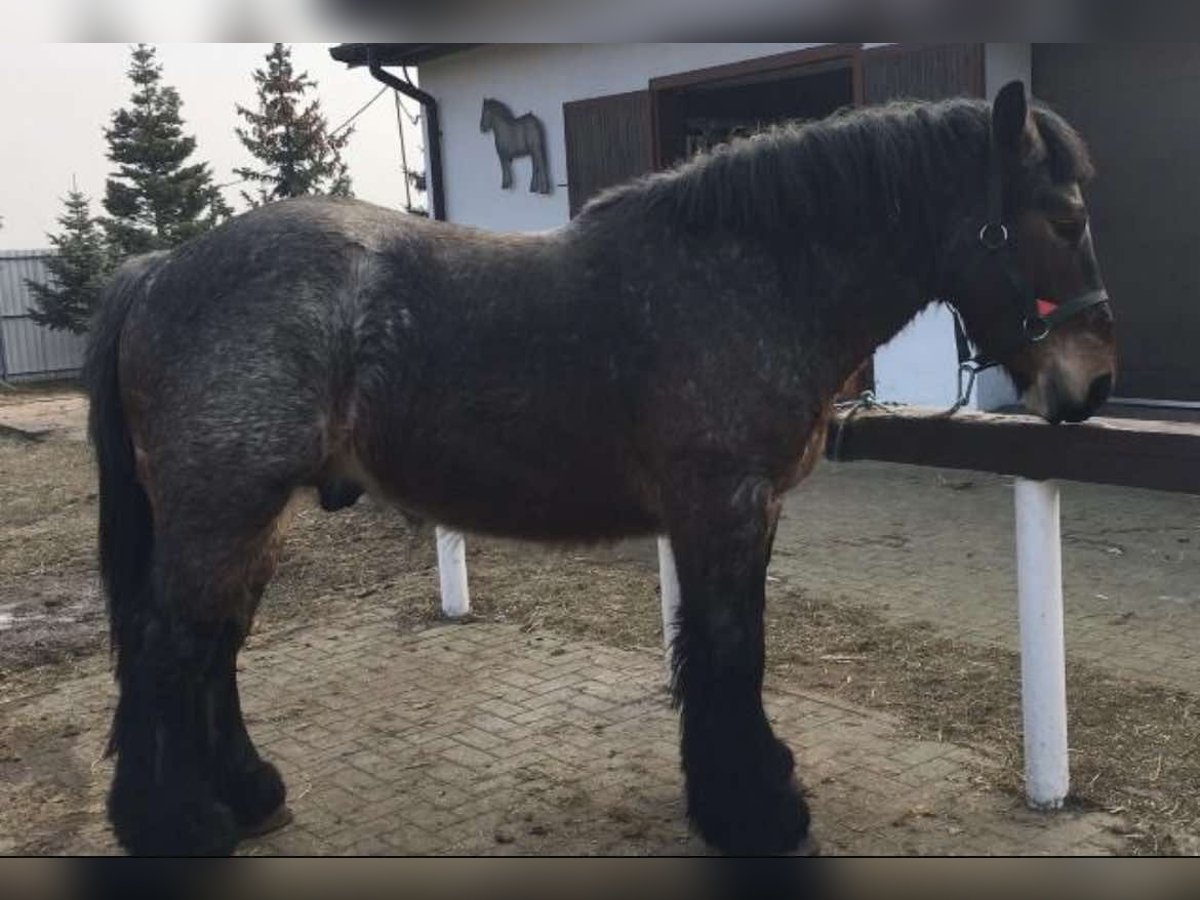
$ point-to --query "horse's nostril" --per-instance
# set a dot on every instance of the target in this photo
(1098, 392)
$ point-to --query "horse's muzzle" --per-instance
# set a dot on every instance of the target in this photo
(1097, 393)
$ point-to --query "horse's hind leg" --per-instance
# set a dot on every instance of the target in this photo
(188, 779)
(250, 786)
(740, 792)
(541, 169)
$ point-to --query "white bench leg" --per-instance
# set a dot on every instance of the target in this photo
(1043, 655)
(668, 589)
(452, 573)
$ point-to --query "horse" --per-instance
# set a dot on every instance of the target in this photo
(665, 363)
(517, 136)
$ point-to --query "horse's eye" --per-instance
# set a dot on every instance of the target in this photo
(1070, 230)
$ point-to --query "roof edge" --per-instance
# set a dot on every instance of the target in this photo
(355, 55)
(28, 254)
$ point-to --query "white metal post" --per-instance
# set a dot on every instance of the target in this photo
(452, 573)
(668, 588)
(1043, 655)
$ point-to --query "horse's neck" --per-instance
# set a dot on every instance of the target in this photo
(870, 289)
(861, 254)
(852, 301)
(870, 306)
(867, 327)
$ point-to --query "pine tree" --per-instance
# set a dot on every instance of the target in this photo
(154, 200)
(289, 137)
(78, 269)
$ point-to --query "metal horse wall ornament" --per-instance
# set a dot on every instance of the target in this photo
(665, 363)
(517, 136)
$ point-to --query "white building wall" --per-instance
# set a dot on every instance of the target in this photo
(918, 366)
(540, 78)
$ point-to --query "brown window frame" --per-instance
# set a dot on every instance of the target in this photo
(662, 85)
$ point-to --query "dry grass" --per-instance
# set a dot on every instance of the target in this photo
(1135, 747)
(17, 394)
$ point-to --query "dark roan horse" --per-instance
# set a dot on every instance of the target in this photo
(663, 364)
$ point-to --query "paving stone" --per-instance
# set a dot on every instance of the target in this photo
(384, 757)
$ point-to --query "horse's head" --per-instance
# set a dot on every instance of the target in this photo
(490, 107)
(1031, 295)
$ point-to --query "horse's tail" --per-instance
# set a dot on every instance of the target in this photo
(126, 535)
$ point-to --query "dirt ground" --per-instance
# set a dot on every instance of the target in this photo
(1135, 741)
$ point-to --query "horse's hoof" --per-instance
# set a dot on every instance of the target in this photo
(810, 846)
(255, 794)
(738, 819)
(192, 826)
(272, 822)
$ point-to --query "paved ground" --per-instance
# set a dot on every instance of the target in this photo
(480, 738)
(923, 544)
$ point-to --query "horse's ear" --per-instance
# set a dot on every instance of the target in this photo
(1012, 121)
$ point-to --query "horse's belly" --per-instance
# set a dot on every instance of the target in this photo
(558, 498)
(531, 515)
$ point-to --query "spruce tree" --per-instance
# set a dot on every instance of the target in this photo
(78, 269)
(289, 138)
(155, 200)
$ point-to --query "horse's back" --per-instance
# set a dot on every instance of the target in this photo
(242, 344)
(275, 279)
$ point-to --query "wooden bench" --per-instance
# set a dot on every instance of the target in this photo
(1135, 453)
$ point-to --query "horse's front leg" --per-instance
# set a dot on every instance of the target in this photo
(506, 172)
(740, 792)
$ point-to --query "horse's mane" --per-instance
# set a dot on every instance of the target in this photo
(498, 105)
(836, 174)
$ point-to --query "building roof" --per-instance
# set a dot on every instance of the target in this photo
(394, 54)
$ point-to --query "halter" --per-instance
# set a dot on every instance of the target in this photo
(1038, 316)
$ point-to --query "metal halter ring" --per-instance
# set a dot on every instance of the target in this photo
(1036, 328)
(993, 235)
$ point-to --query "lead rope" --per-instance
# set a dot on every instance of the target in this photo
(970, 364)
(969, 367)
(968, 372)
(865, 400)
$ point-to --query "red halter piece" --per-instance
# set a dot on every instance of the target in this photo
(1046, 307)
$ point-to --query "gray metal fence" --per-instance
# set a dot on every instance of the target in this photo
(29, 352)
